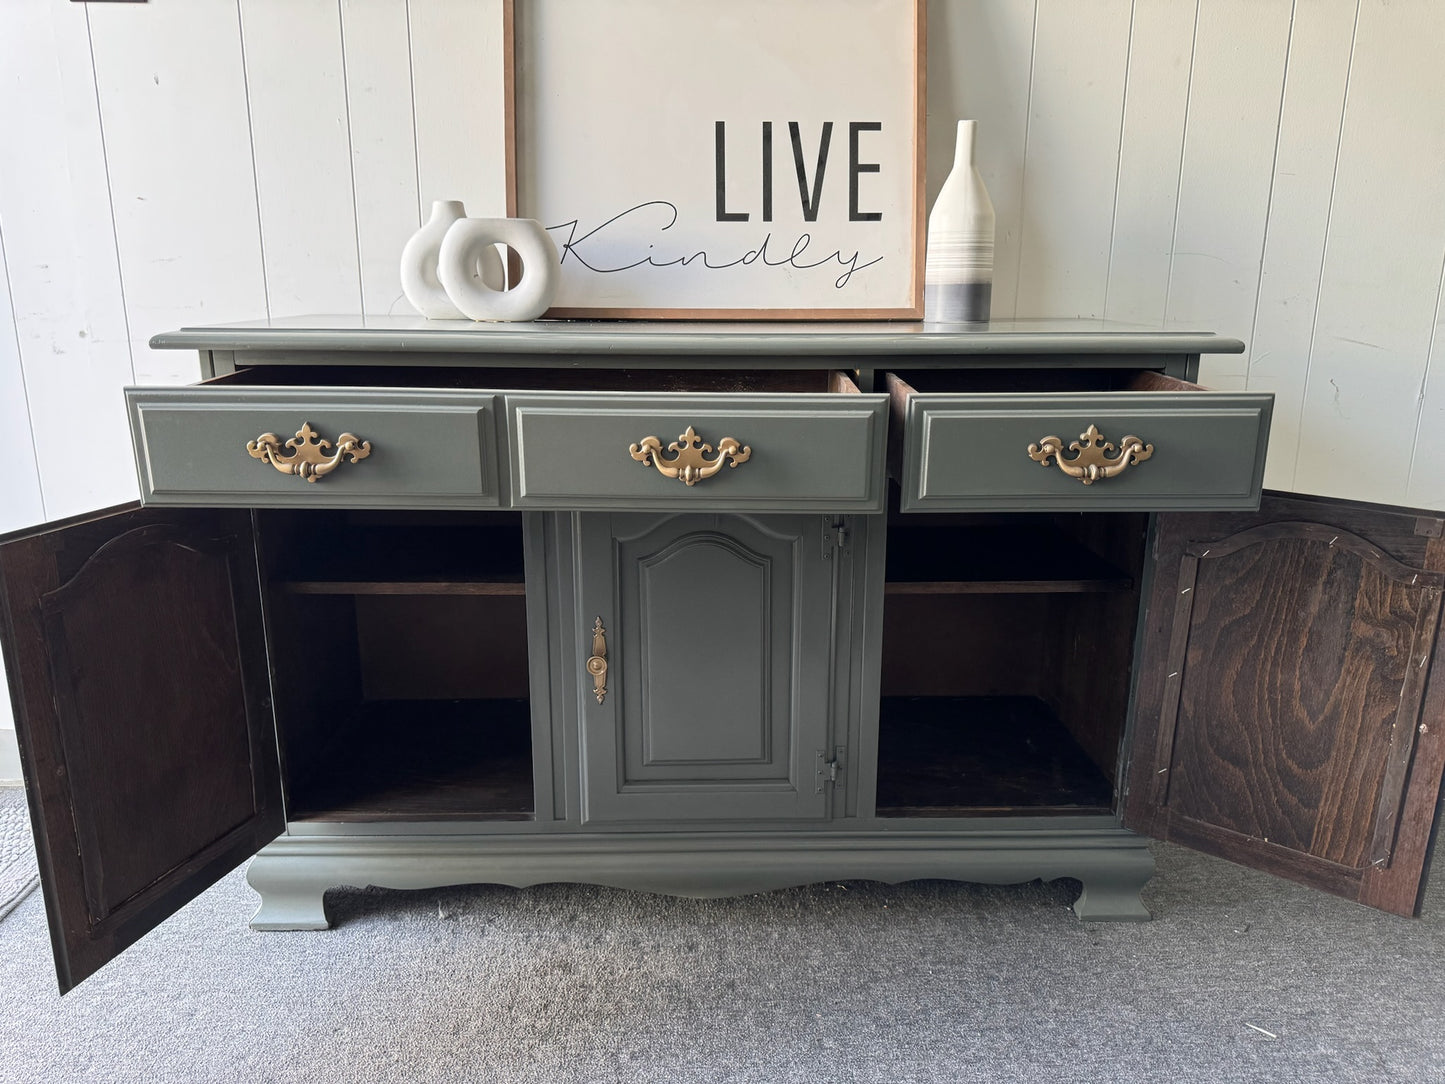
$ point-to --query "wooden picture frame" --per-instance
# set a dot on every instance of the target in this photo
(755, 160)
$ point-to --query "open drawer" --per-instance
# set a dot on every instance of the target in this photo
(1088, 441)
(274, 447)
(524, 438)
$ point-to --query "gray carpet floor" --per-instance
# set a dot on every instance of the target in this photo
(18, 875)
(1240, 977)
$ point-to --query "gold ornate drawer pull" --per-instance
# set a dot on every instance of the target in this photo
(308, 456)
(1091, 461)
(597, 664)
(689, 461)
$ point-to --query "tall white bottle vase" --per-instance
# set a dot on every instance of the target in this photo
(419, 281)
(958, 269)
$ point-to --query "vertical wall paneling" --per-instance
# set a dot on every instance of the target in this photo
(1161, 53)
(1224, 184)
(302, 148)
(979, 65)
(1380, 286)
(173, 104)
(20, 499)
(1263, 168)
(1299, 214)
(1076, 109)
(383, 144)
(60, 248)
(457, 82)
(1426, 484)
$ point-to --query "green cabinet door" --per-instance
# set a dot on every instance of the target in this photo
(715, 702)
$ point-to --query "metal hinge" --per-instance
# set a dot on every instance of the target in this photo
(826, 773)
(835, 536)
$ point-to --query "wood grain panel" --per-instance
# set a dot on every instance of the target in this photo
(1091, 641)
(1286, 712)
(118, 705)
(152, 756)
(301, 144)
(1224, 180)
(455, 646)
(1075, 115)
(1283, 685)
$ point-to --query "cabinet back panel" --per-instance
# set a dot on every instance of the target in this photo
(1092, 639)
(442, 647)
(316, 674)
(971, 645)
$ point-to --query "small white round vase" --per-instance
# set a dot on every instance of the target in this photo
(419, 281)
(467, 242)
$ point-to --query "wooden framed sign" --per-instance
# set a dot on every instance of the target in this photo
(755, 159)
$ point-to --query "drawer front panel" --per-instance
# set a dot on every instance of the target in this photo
(971, 452)
(428, 449)
(807, 452)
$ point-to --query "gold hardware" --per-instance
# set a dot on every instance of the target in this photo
(1091, 463)
(689, 460)
(307, 458)
(597, 664)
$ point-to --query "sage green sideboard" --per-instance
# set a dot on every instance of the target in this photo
(845, 616)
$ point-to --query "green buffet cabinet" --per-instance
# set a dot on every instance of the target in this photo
(710, 609)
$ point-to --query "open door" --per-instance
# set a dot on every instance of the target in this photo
(1289, 715)
(137, 663)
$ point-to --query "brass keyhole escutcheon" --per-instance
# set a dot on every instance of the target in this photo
(597, 664)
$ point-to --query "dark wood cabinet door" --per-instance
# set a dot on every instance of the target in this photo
(1289, 710)
(717, 702)
(137, 666)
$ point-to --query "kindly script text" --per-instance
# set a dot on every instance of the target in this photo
(631, 239)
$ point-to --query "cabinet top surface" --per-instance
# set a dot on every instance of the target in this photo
(885, 338)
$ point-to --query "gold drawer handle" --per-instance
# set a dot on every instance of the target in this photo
(1091, 461)
(307, 457)
(689, 461)
(597, 664)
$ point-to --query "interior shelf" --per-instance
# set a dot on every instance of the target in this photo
(958, 756)
(995, 560)
(393, 560)
(424, 760)
(499, 586)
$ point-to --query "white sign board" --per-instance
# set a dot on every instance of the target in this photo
(749, 159)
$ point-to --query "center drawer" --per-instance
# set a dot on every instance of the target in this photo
(740, 452)
(1064, 448)
(522, 439)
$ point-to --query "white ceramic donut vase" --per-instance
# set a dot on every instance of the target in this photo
(465, 244)
(419, 280)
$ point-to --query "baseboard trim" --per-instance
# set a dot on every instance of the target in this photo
(9, 756)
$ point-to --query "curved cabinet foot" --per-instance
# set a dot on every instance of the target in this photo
(291, 897)
(1113, 895)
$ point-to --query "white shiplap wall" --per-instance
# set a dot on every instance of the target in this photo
(1271, 169)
